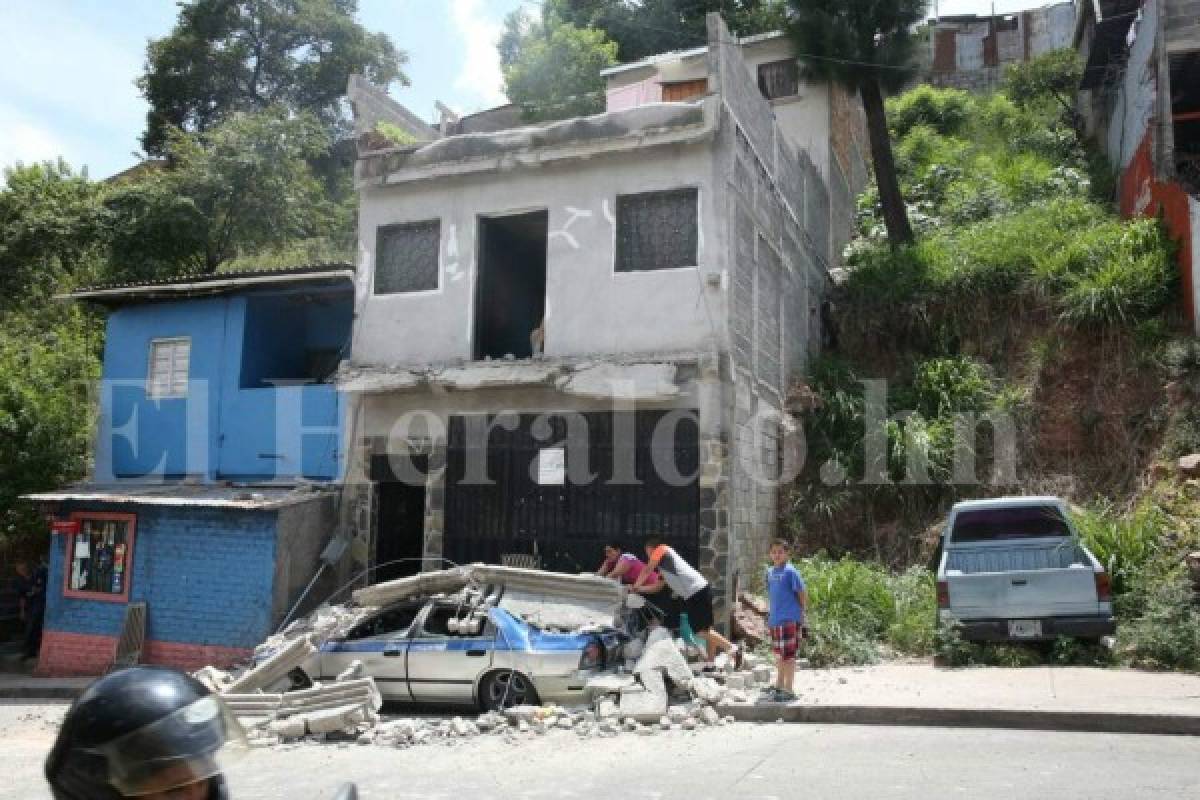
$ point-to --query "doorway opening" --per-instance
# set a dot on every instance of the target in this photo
(510, 299)
(400, 515)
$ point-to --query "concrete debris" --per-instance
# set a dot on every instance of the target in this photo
(664, 656)
(274, 669)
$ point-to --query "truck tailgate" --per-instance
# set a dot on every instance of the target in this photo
(1025, 580)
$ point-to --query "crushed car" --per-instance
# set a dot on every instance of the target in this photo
(483, 635)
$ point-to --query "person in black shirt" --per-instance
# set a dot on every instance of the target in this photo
(31, 592)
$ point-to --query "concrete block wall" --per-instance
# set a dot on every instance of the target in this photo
(1182, 25)
(206, 576)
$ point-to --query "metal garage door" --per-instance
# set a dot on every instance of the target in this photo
(567, 525)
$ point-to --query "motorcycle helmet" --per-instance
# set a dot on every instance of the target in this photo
(142, 731)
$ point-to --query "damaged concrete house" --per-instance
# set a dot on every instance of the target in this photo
(972, 51)
(1140, 100)
(585, 330)
(218, 436)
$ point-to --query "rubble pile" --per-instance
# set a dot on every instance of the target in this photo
(657, 689)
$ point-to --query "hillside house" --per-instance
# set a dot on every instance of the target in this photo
(586, 330)
(218, 437)
(971, 51)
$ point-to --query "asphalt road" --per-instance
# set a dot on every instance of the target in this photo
(743, 761)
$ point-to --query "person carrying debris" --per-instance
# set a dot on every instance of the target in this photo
(788, 599)
(627, 568)
(690, 585)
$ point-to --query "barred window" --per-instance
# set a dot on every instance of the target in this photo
(779, 79)
(406, 257)
(657, 230)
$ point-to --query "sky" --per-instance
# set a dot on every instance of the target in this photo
(67, 67)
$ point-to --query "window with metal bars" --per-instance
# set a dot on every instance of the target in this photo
(779, 79)
(168, 373)
(657, 230)
(407, 257)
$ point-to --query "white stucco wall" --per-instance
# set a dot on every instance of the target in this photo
(590, 308)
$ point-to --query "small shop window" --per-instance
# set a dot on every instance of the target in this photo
(657, 230)
(406, 257)
(168, 374)
(779, 79)
(100, 556)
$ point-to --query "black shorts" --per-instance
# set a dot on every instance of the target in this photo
(699, 608)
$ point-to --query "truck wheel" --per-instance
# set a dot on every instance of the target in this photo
(506, 688)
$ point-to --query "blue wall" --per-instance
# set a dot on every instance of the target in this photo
(237, 433)
(206, 576)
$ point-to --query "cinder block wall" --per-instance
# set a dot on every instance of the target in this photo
(206, 577)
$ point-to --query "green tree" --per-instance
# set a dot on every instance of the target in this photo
(865, 45)
(1053, 76)
(245, 186)
(48, 361)
(658, 26)
(226, 56)
(51, 223)
(556, 71)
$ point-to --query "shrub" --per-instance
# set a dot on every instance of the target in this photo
(944, 386)
(1123, 544)
(856, 606)
(945, 110)
(1166, 634)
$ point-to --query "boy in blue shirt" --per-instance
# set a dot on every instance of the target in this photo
(788, 600)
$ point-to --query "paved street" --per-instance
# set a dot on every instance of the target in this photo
(745, 761)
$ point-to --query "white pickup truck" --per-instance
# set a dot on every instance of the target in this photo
(1013, 568)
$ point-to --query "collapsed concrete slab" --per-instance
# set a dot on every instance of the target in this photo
(274, 669)
(549, 600)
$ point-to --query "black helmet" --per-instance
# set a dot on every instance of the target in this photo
(139, 731)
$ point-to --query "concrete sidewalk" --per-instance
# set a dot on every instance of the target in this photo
(1041, 698)
(16, 686)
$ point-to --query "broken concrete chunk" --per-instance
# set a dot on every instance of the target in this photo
(707, 690)
(664, 655)
(276, 668)
(709, 716)
(333, 719)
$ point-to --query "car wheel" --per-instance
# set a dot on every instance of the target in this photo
(505, 689)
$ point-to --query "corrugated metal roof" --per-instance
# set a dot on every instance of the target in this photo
(255, 498)
(212, 283)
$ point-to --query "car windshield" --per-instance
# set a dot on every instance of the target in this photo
(994, 524)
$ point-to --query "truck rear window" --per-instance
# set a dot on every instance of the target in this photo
(1027, 522)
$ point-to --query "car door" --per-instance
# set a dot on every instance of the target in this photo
(380, 642)
(443, 667)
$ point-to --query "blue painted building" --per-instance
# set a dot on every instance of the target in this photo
(218, 451)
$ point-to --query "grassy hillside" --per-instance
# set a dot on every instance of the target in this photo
(1026, 298)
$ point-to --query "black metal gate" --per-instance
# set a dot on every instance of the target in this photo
(643, 484)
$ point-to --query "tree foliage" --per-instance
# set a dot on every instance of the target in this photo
(246, 185)
(48, 361)
(556, 70)
(867, 46)
(50, 223)
(1050, 78)
(229, 56)
(658, 26)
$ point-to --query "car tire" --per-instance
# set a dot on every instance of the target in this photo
(506, 688)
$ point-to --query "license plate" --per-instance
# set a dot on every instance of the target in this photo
(1024, 628)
